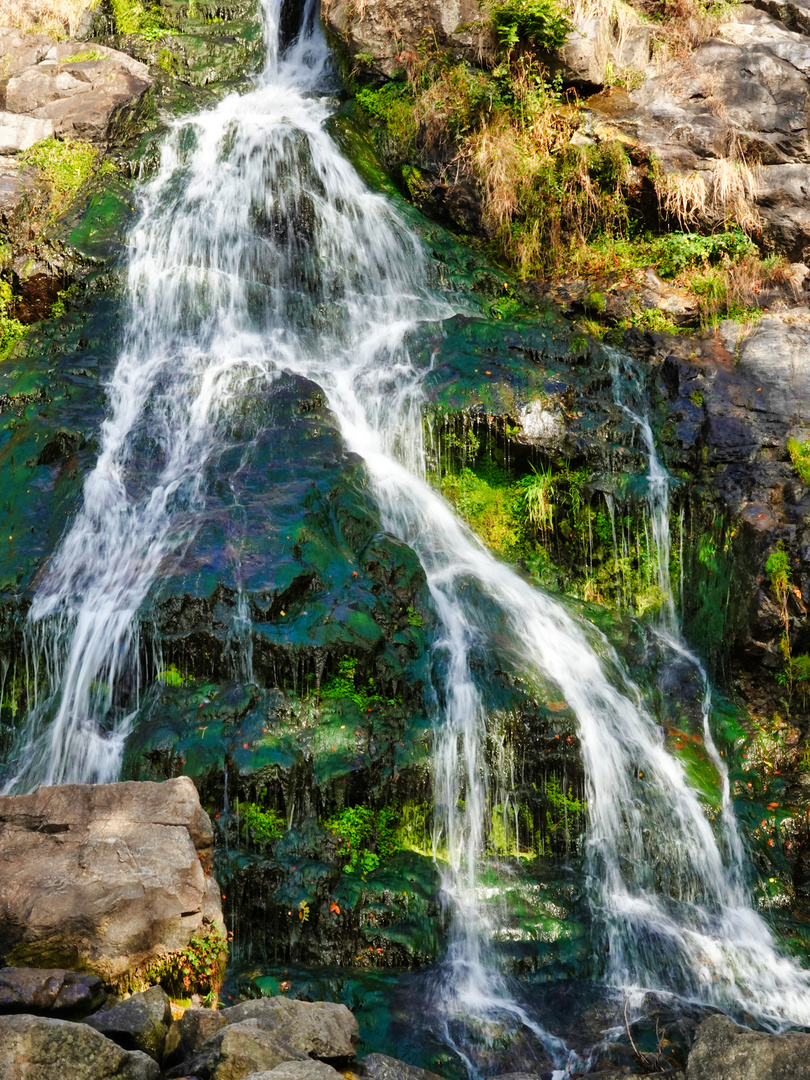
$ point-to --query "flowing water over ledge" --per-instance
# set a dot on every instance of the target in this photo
(258, 252)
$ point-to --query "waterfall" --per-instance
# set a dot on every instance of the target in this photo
(258, 250)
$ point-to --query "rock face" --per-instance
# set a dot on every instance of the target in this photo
(49, 991)
(388, 30)
(78, 90)
(139, 1022)
(723, 1051)
(734, 122)
(32, 1046)
(111, 878)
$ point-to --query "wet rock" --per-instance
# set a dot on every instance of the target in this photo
(51, 991)
(382, 1067)
(236, 1051)
(724, 1051)
(388, 30)
(138, 1023)
(20, 132)
(55, 1049)
(188, 1033)
(319, 1028)
(110, 876)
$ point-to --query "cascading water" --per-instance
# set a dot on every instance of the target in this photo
(258, 249)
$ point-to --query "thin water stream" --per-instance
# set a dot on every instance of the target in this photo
(258, 250)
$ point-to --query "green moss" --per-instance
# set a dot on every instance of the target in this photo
(11, 329)
(64, 165)
(132, 17)
(800, 457)
(81, 57)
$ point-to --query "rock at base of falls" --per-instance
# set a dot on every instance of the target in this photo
(724, 1051)
(52, 1049)
(111, 879)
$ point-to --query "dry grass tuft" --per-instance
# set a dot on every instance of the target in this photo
(735, 186)
(683, 196)
(59, 18)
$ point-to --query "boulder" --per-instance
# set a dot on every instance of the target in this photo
(50, 1049)
(50, 991)
(382, 1067)
(21, 132)
(390, 30)
(189, 1033)
(298, 1070)
(139, 1022)
(322, 1029)
(109, 878)
(724, 1051)
(76, 90)
(235, 1052)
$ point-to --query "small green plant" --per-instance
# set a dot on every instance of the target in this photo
(63, 297)
(800, 456)
(344, 685)
(540, 23)
(538, 493)
(656, 321)
(11, 330)
(132, 17)
(263, 826)
(679, 251)
(81, 57)
(696, 398)
(564, 814)
(367, 837)
(414, 618)
(170, 675)
(199, 968)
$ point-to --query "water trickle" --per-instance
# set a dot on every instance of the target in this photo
(258, 250)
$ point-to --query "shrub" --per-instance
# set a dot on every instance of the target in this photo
(367, 837)
(264, 826)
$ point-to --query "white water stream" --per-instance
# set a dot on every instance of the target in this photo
(259, 249)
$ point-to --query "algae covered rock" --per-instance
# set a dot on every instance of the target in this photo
(49, 991)
(51, 1049)
(139, 1022)
(110, 878)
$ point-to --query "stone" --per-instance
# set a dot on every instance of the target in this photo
(21, 132)
(322, 1029)
(390, 30)
(110, 878)
(235, 1052)
(298, 1070)
(746, 88)
(596, 44)
(189, 1033)
(80, 91)
(382, 1067)
(139, 1022)
(51, 991)
(50, 1049)
(724, 1051)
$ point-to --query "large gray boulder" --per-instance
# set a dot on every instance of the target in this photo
(298, 1070)
(235, 1052)
(42, 1048)
(140, 1022)
(111, 878)
(386, 31)
(724, 1051)
(382, 1067)
(321, 1029)
(49, 991)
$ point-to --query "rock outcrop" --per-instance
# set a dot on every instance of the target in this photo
(140, 1022)
(50, 992)
(109, 878)
(48, 1049)
(73, 89)
(380, 34)
(319, 1028)
(724, 1051)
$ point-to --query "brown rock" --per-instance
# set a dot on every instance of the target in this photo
(106, 877)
